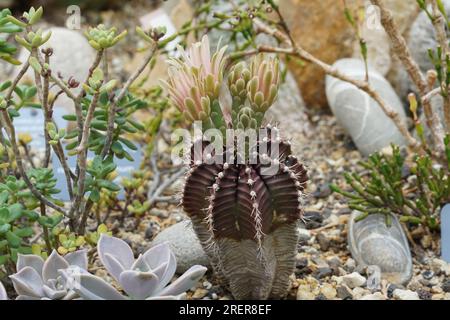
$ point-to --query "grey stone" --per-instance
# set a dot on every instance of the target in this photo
(373, 243)
(353, 280)
(361, 116)
(185, 245)
(72, 57)
(445, 233)
(400, 294)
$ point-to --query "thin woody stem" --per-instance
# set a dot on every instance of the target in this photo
(298, 51)
(7, 123)
(402, 51)
(120, 96)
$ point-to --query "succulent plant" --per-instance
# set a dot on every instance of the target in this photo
(144, 278)
(3, 295)
(244, 210)
(37, 279)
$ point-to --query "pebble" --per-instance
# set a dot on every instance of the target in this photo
(322, 191)
(324, 272)
(199, 293)
(353, 280)
(440, 266)
(344, 293)
(303, 235)
(400, 294)
(350, 265)
(304, 293)
(374, 296)
(312, 219)
(446, 285)
(324, 241)
(328, 291)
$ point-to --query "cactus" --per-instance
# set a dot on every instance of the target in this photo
(244, 215)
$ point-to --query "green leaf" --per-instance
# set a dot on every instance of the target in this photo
(13, 240)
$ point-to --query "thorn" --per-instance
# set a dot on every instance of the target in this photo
(248, 170)
(250, 182)
(215, 187)
(226, 165)
(293, 175)
(253, 194)
(220, 175)
(297, 184)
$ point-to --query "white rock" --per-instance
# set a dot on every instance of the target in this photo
(303, 234)
(440, 266)
(354, 280)
(350, 264)
(304, 293)
(328, 291)
(363, 119)
(72, 57)
(184, 244)
(400, 294)
(374, 296)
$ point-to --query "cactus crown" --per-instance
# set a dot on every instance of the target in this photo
(244, 205)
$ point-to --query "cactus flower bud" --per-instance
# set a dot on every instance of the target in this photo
(263, 85)
(195, 80)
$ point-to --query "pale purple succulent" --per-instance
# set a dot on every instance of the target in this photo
(146, 277)
(37, 279)
(3, 295)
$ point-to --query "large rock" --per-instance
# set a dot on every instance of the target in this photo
(361, 116)
(72, 57)
(184, 244)
(319, 27)
(373, 243)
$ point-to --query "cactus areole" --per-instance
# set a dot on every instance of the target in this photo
(244, 203)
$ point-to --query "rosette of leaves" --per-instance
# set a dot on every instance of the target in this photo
(7, 50)
(124, 125)
(245, 216)
(37, 279)
(415, 190)
(144, 278)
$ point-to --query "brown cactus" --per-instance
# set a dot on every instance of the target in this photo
(246, 221)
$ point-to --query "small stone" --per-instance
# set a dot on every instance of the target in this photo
(350, 265)
(446, 285)
(328, 291)
(304, 293)
(303, 236)
(426, 241)
(334, 262)
(199, 293)
(424, 294)
(301, 263)
(354, 280)
(359, 292)
(374, 296)
(344, 293)
(207, 285)
(324, 272)
(312, 219)
(324, 241)
(160, 213)
(428, 274)
(440, 266)
(390, 290)
(322, 191)
(400, 294)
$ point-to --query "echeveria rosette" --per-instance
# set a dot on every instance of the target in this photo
(3, 295)
(37, 279)
(144, 278)
(194, 83)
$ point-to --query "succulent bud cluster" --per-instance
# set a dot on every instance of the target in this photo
(194, 83)
(101, 38)
(245, 217)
